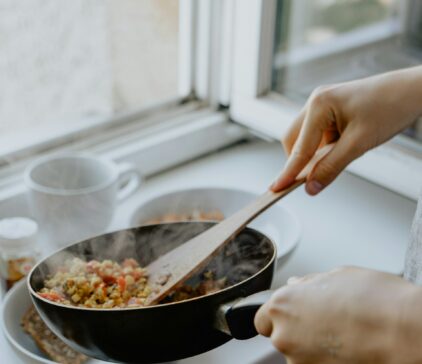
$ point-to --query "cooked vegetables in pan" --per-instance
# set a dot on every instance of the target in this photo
(108, 284)
(104, 284)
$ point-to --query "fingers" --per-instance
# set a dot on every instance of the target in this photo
(263, 322)
(329, 167)
(290, 138)
(307, 143)
(329, 137)
(296, 279)
(316, 126)
(288, 142)
(264, 317)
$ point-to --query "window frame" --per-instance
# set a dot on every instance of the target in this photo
(213, 51)
(204, 73)
(23, 144)
(256, 106)
(190, 122)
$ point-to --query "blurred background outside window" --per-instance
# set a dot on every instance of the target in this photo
(62, 61)
(320, 42)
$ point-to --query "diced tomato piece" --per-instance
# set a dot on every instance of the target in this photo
(130, 262)
(135, 275)
(104, 288)
(121, 281)
(90, 266)
(109, 280)
(52, 296)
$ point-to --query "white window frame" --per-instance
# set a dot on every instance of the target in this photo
(204, 73)
(213, 47)
(193, 131)
(50, 136)
(254, 105)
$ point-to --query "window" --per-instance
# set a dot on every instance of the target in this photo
(327, 41)
(283, 49)
(129, 80)
(323, 41)
(79, 70)
(68, 64)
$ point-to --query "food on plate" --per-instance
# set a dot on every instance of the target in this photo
(47, 341)
(195, 215)
(108, 284)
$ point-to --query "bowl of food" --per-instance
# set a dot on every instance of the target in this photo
(215, 204)
(92, 294)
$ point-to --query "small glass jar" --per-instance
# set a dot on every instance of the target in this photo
(19, 249)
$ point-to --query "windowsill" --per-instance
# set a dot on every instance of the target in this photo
(150, 147)
(88, 131)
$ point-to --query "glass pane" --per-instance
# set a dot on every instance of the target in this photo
(327, 41)
(63, 61)
(317, 21)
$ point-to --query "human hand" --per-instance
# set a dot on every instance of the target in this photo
(359, 115)
(349, 315)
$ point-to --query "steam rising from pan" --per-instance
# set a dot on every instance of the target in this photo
(240, 259)
(187, 328)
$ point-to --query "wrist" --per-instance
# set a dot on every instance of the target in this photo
(404, 87)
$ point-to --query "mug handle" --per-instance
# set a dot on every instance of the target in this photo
(130, 177)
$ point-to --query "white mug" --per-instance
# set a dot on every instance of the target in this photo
(74, 196)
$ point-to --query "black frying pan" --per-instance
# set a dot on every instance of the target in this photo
(168, 331)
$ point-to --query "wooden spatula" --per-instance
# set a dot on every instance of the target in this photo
(172, 269)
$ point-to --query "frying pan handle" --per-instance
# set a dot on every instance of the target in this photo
(240, 316)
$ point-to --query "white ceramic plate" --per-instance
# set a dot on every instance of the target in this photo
(15, 304)
(277, 223)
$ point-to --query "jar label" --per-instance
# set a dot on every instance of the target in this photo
(15, 269)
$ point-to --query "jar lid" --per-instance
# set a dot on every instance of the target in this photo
(16, 232)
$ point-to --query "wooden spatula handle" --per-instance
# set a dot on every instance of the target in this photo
(243, 217)
(240, 219)
(202, 248)
(172, 269)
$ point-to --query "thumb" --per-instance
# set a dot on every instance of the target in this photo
(329, 167)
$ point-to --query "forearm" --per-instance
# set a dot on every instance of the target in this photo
(402, 91)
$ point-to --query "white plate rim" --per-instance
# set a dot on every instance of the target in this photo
(7, 299)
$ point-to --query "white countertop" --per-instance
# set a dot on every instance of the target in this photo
(353, 222)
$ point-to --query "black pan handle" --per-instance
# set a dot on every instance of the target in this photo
(240, 316)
